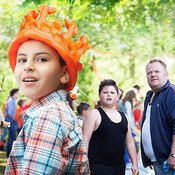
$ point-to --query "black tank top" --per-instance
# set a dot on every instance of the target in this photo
(107, 144)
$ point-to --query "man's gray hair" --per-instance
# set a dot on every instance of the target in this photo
(159, 60)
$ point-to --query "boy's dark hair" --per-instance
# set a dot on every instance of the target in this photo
(108, 82)
(20, 102)
(137, 87)
(121, 94)
(82, 106)
(98, 104)
(13, 91)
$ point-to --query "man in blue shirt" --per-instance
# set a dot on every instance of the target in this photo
(10, 108)
(158, 125)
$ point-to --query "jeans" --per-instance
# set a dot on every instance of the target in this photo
(158, 170)
(4, 134)
(12, 136)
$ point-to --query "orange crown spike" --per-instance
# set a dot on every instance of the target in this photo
(35, 26)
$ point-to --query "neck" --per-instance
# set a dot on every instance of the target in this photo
(110, 110)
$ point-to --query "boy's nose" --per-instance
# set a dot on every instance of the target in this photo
(29, 67)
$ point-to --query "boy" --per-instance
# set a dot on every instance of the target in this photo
(83, 109)
(106, 131)
(46, 63)
(21, 107)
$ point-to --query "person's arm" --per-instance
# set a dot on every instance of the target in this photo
(130, 145)
(89, 125)
(171, 158)
(3, 124)
(170, 113)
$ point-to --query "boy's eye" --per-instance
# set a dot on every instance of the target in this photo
(21, 60)
(41, 59)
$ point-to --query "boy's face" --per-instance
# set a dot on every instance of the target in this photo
(38, 69)
(108, 96)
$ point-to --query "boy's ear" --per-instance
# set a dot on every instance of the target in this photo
(65, 77)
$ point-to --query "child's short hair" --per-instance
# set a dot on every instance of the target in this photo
(21, 102)
(107, 82)
(36, 27)
(82, 106)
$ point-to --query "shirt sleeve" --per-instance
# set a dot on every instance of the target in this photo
(130, 116)
(11, 109)
(170, 108)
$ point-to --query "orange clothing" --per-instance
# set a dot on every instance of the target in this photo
(18, 116)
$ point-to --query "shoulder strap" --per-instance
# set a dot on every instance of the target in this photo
(102, 113)
(123, 116)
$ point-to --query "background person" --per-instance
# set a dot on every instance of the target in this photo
(106, 132)
(83, 110)
(158, 125)
(10, 108)
(3, 124)
(21, 107)
(129, 101)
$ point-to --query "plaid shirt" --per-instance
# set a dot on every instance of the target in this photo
(50, 141)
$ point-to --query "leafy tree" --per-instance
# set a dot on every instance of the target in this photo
(123, 35)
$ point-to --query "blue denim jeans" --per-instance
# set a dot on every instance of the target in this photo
(4, 134)
(158, 170)
(12, 136)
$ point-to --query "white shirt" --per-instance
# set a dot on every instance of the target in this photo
(146, 136)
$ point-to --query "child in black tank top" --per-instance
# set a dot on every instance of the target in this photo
(106, 132)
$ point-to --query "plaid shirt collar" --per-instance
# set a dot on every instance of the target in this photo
(59, 95)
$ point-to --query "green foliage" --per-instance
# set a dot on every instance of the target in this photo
(123, 35)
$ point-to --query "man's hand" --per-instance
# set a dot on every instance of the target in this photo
(171, 161)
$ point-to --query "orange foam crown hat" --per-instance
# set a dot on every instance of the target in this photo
(35, 26)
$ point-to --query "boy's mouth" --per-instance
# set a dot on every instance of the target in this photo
(30, 80)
